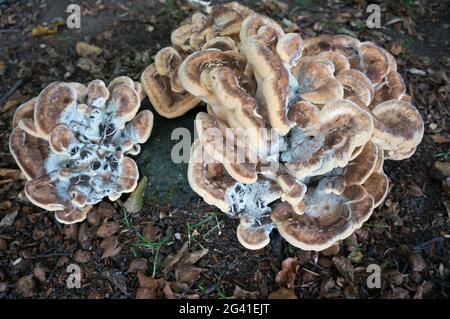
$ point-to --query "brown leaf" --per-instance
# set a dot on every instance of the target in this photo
(187, 274)
(415, 190)
(148, 287)
(110, 247)
(393, 277)
(443, 168)
(138, 264)
(26, 286)
(283, 293)
(3, 245)
(105, 211)
(333, 250)
(108, 229)
(145, 293)
(151, 232)
(195, 256)
(240, 293)
(71, 231)
(84, 234)
(168, 293)
(39, 273)
(416, 262)
(3, 286)
(286, 276)
(345, 267)
(93, 218)
(173, 259)
(86, 50)
(82, 256)
(398, 293)
(440, 139)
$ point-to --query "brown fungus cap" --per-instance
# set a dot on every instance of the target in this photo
(356, 84)
(213, 136)
(30, 152)
(398, 126)
(374, 62)
(190, 72)
(72, 215)
(317, 83)
(42, 192)
(358, 170)
(51, 105)
(293, 192)
(392, 88)
(343, 127)
(166, 102)
(273, 81)
(377, 185)
(208, 178)
(252, 234)
(328, 218)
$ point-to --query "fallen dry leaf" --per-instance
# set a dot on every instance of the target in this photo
(151, 232)
(195, 256)
(240, 293)
(138, 264)
(87, 50)
(187, 274)
(82, 256)
(416, 262)
(283, 293)
(174, 258)
(148, 287)
(286, 276)
(345, 267)
(39, 273)
(108, 229)
(110, 247)
(26, 286)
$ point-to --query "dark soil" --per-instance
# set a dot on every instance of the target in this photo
(408, 236)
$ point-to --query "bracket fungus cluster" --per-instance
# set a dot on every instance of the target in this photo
(296, 130)
(72, 144)
(219, 29)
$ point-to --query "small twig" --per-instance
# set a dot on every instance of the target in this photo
(9, 30)
(53, 255)
(424, 245)
(11, 91)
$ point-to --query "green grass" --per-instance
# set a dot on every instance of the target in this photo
(126, 221)
(375, 225)
(155, 246)
(194, 231)
(64, 38)
(290, 250)
(409, 6)
(174, 10)
(304, 3)
(219, 288)
(443, 155)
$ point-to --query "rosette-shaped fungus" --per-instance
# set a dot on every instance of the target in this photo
(224, 20)
(336, 108)
(72, 144)
(219, 29)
